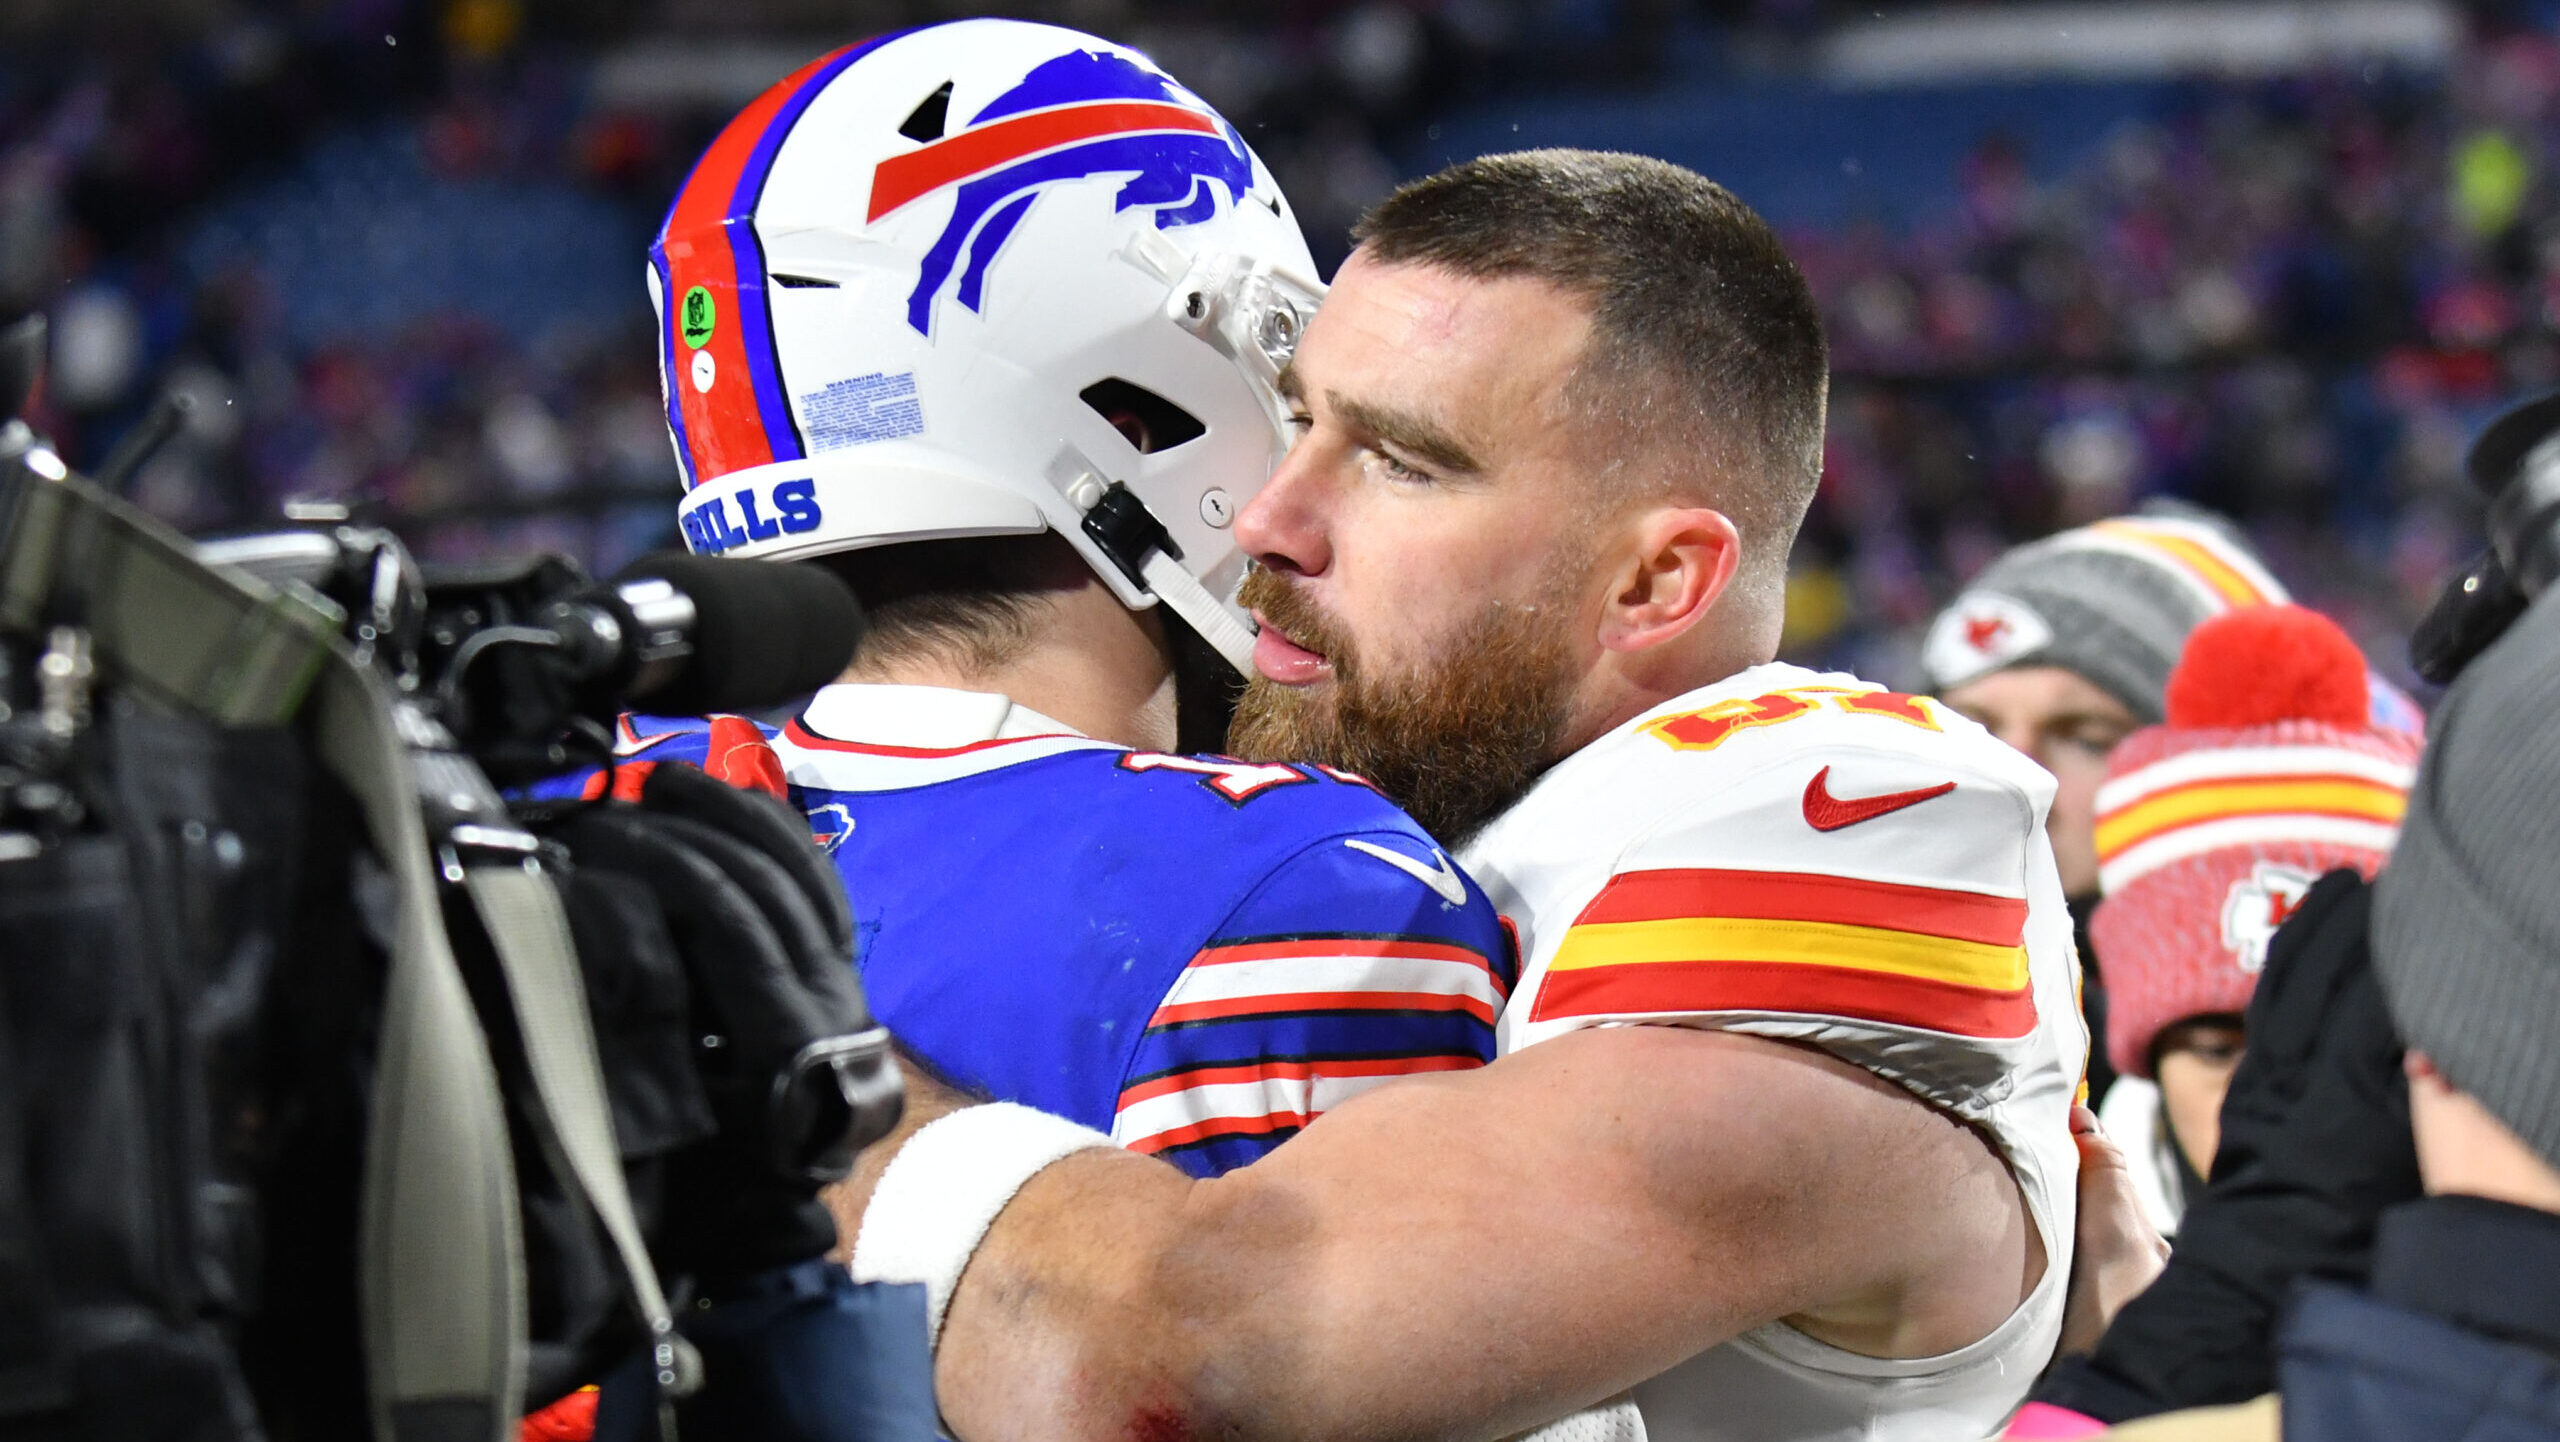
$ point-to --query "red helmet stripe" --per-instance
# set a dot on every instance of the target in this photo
(669, 378)
(954, 158)
(745, 418)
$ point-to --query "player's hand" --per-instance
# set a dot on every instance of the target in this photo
(928, 1099)
(2116, 1252)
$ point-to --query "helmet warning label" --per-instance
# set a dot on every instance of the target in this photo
(876, 407)
(700, 317)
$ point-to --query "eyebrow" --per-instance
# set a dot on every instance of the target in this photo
(1288, 384)
(1416, 435)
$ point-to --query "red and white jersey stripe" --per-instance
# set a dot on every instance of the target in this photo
(1333, 973)
(1337, 992)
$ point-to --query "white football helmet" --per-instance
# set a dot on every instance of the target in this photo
(907, 293)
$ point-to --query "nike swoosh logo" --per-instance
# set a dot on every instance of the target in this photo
(1826, 812)
(1444, 880)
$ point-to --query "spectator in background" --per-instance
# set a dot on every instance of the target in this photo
(2062, 647)
(2457, 1332)
(2210, 830)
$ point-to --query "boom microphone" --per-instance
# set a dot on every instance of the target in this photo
(518, 654)
(674, 634)
(694, 634)
(760, 634)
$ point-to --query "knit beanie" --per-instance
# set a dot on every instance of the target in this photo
(2267, 774)
(2466, 922)
(2110, 602)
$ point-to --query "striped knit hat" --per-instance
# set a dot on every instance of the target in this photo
(2110, 602)
(2211, 827)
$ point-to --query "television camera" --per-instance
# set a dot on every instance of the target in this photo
(340, 1091)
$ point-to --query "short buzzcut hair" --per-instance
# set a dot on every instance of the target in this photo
(972, 601)
(1705, 341)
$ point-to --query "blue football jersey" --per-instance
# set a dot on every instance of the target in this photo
(1194, 954)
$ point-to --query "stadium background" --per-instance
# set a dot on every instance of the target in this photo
(2278, 259)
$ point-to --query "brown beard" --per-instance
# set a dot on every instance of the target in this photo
(1454, 742)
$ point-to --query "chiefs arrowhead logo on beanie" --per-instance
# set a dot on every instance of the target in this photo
(2267, 773)
(1981, 633)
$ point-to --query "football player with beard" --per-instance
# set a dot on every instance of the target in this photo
(1781, 1144)
(985, 318)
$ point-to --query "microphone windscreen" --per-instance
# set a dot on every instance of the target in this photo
(764, 632)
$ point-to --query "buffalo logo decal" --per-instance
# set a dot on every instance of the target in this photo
(1072, 118)
(830, 826)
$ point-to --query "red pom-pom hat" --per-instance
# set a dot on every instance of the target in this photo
(2210, 827)
(2261, 665)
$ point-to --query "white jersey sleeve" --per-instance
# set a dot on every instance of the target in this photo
(1812, 858)
(1821, 861)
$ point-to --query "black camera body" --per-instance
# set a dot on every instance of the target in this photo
(313, 1121)
(2516, 464)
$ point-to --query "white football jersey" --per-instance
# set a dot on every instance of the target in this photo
(1810, 857)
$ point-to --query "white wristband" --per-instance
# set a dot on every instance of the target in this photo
(944, 1188)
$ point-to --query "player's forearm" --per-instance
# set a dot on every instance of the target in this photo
(1466, 1255)
(1117, 1300)
(1070, 1320)
(1348, 1285)
(1067, 1320)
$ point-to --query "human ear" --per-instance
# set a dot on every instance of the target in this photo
(1679, 561)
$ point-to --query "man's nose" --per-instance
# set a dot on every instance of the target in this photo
(1284, 525)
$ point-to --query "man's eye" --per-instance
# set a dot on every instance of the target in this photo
(2093, 738)
(1397, 471)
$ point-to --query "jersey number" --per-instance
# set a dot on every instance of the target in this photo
(1707, 728)
(1237, 781)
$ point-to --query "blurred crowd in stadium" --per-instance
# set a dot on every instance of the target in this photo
(393, 249)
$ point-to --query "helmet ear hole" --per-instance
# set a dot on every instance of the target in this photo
(1150, 422)
(925, 123)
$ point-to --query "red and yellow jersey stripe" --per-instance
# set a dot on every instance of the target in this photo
(1696, 940)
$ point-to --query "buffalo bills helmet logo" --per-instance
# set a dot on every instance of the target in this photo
(1072, 118)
